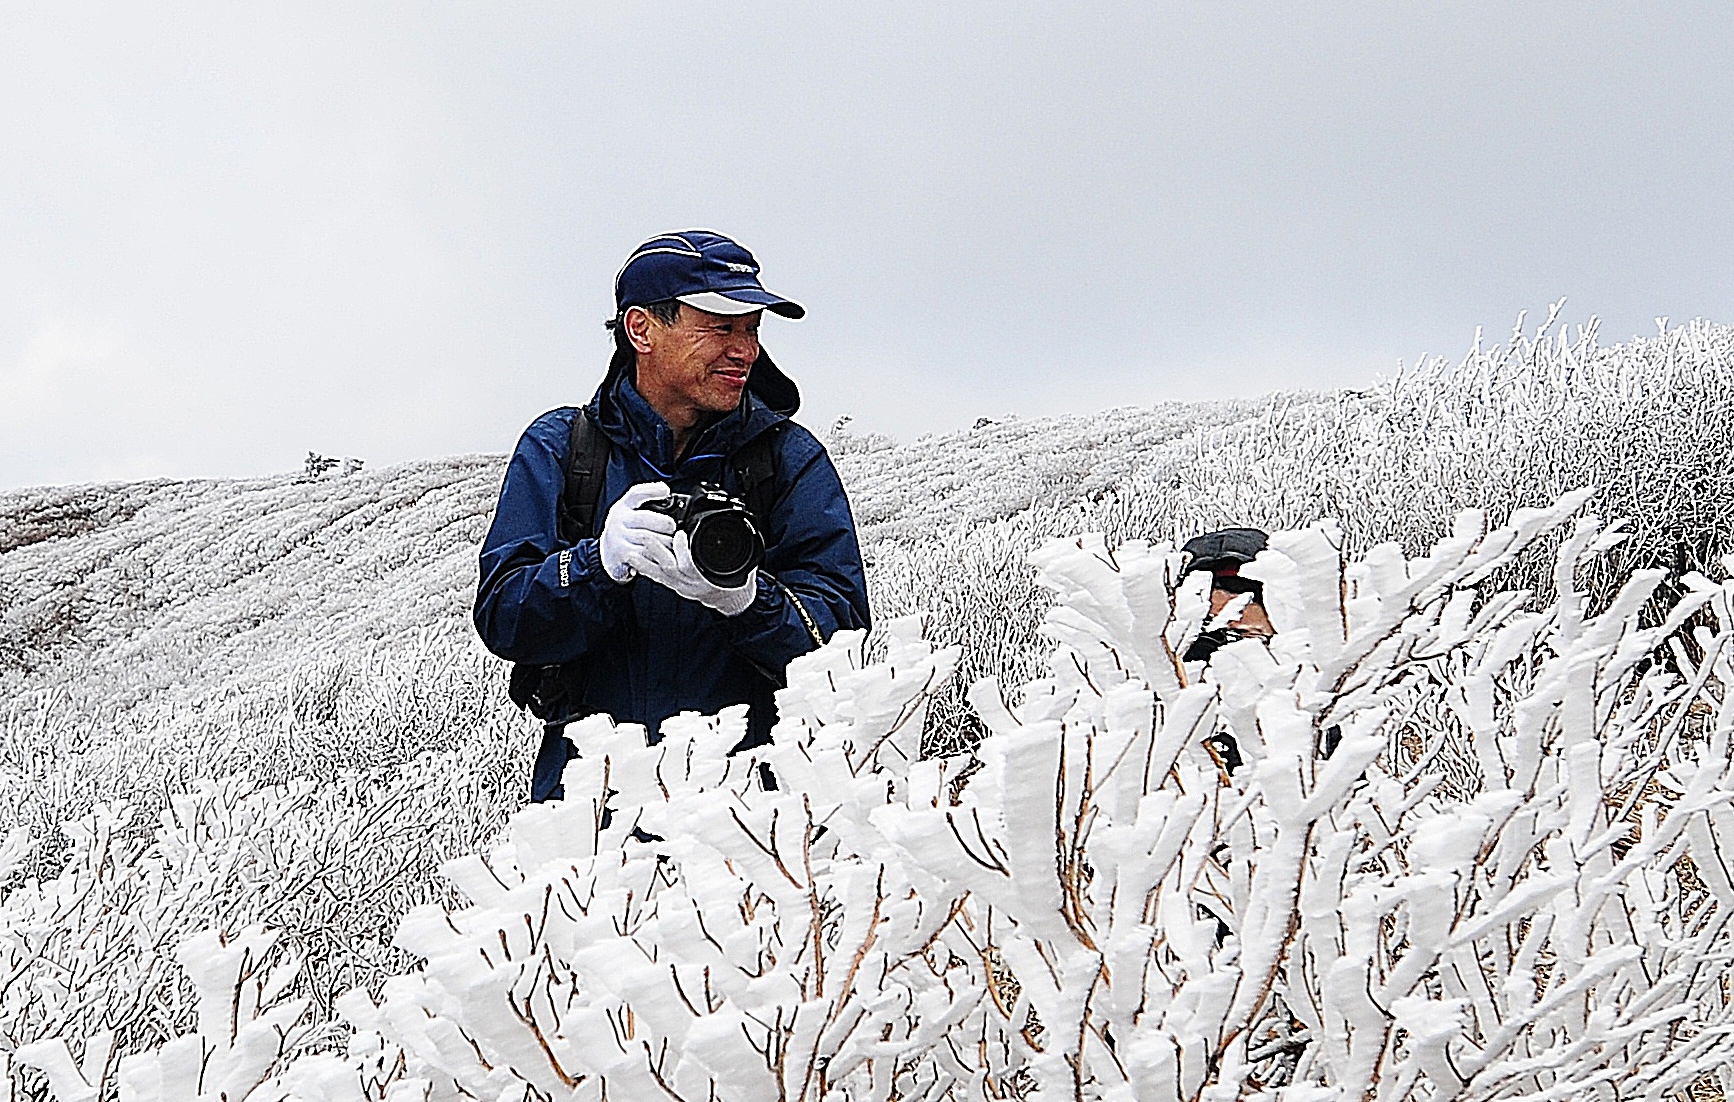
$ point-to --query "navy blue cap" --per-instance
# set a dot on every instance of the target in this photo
(703, 269)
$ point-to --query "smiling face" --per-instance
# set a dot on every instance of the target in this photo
(695, 366)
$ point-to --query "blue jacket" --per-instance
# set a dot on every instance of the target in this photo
(647, 653)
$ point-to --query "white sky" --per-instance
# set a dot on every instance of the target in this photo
(233, 233)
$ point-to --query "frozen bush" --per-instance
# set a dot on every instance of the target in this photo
(1097, 911)
(89, 951)
(246, 1031)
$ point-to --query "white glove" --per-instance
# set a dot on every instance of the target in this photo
(634, 539)
(686, 580)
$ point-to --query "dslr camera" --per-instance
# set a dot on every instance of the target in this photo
(726, 545)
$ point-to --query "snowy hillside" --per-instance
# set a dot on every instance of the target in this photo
(137, 590)
(312, 633)
(117, 595)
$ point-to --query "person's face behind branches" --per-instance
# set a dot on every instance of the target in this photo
(1254, 621)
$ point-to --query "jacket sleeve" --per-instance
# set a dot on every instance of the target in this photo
(813, 553)
(539, 600)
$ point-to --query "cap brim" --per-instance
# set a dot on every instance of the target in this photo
(745, 300)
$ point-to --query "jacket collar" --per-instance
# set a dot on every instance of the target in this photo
(630, 423)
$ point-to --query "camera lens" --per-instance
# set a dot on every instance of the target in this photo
(725, 546)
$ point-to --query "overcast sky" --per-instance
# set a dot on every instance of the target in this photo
(231, 234)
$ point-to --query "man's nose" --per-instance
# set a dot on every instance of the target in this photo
(743, 347)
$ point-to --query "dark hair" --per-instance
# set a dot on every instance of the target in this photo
(1234, 583)
(667, 312)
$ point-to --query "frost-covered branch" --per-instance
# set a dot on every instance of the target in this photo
(1091, 906)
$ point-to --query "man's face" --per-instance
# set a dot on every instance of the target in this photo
(697, 365)
(1253, 620)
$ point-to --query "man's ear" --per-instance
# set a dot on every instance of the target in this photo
(637, 323)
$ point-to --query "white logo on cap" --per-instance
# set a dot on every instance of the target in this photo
(740, 267)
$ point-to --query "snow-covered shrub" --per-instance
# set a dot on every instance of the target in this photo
(320, 466)
(708, 937)
(89, 951)
(368, 710)
(247, 1030)
(1095, 909)
(1345, 922)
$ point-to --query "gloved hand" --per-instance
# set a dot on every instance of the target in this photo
(686, 580)
(635, 540)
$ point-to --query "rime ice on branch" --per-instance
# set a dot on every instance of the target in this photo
(1508, 880)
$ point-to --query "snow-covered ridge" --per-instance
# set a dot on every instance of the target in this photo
(143, 588)
(120, 593)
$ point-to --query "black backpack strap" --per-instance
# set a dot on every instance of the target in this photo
(586, 467)
(756, 475)
(552, 692)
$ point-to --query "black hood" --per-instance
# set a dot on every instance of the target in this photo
(776, 390)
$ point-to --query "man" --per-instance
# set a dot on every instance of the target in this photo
(1223, 553)
(607, 612)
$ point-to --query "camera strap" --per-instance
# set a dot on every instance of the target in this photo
(807, 620)
(755, 474)
(587, 450)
